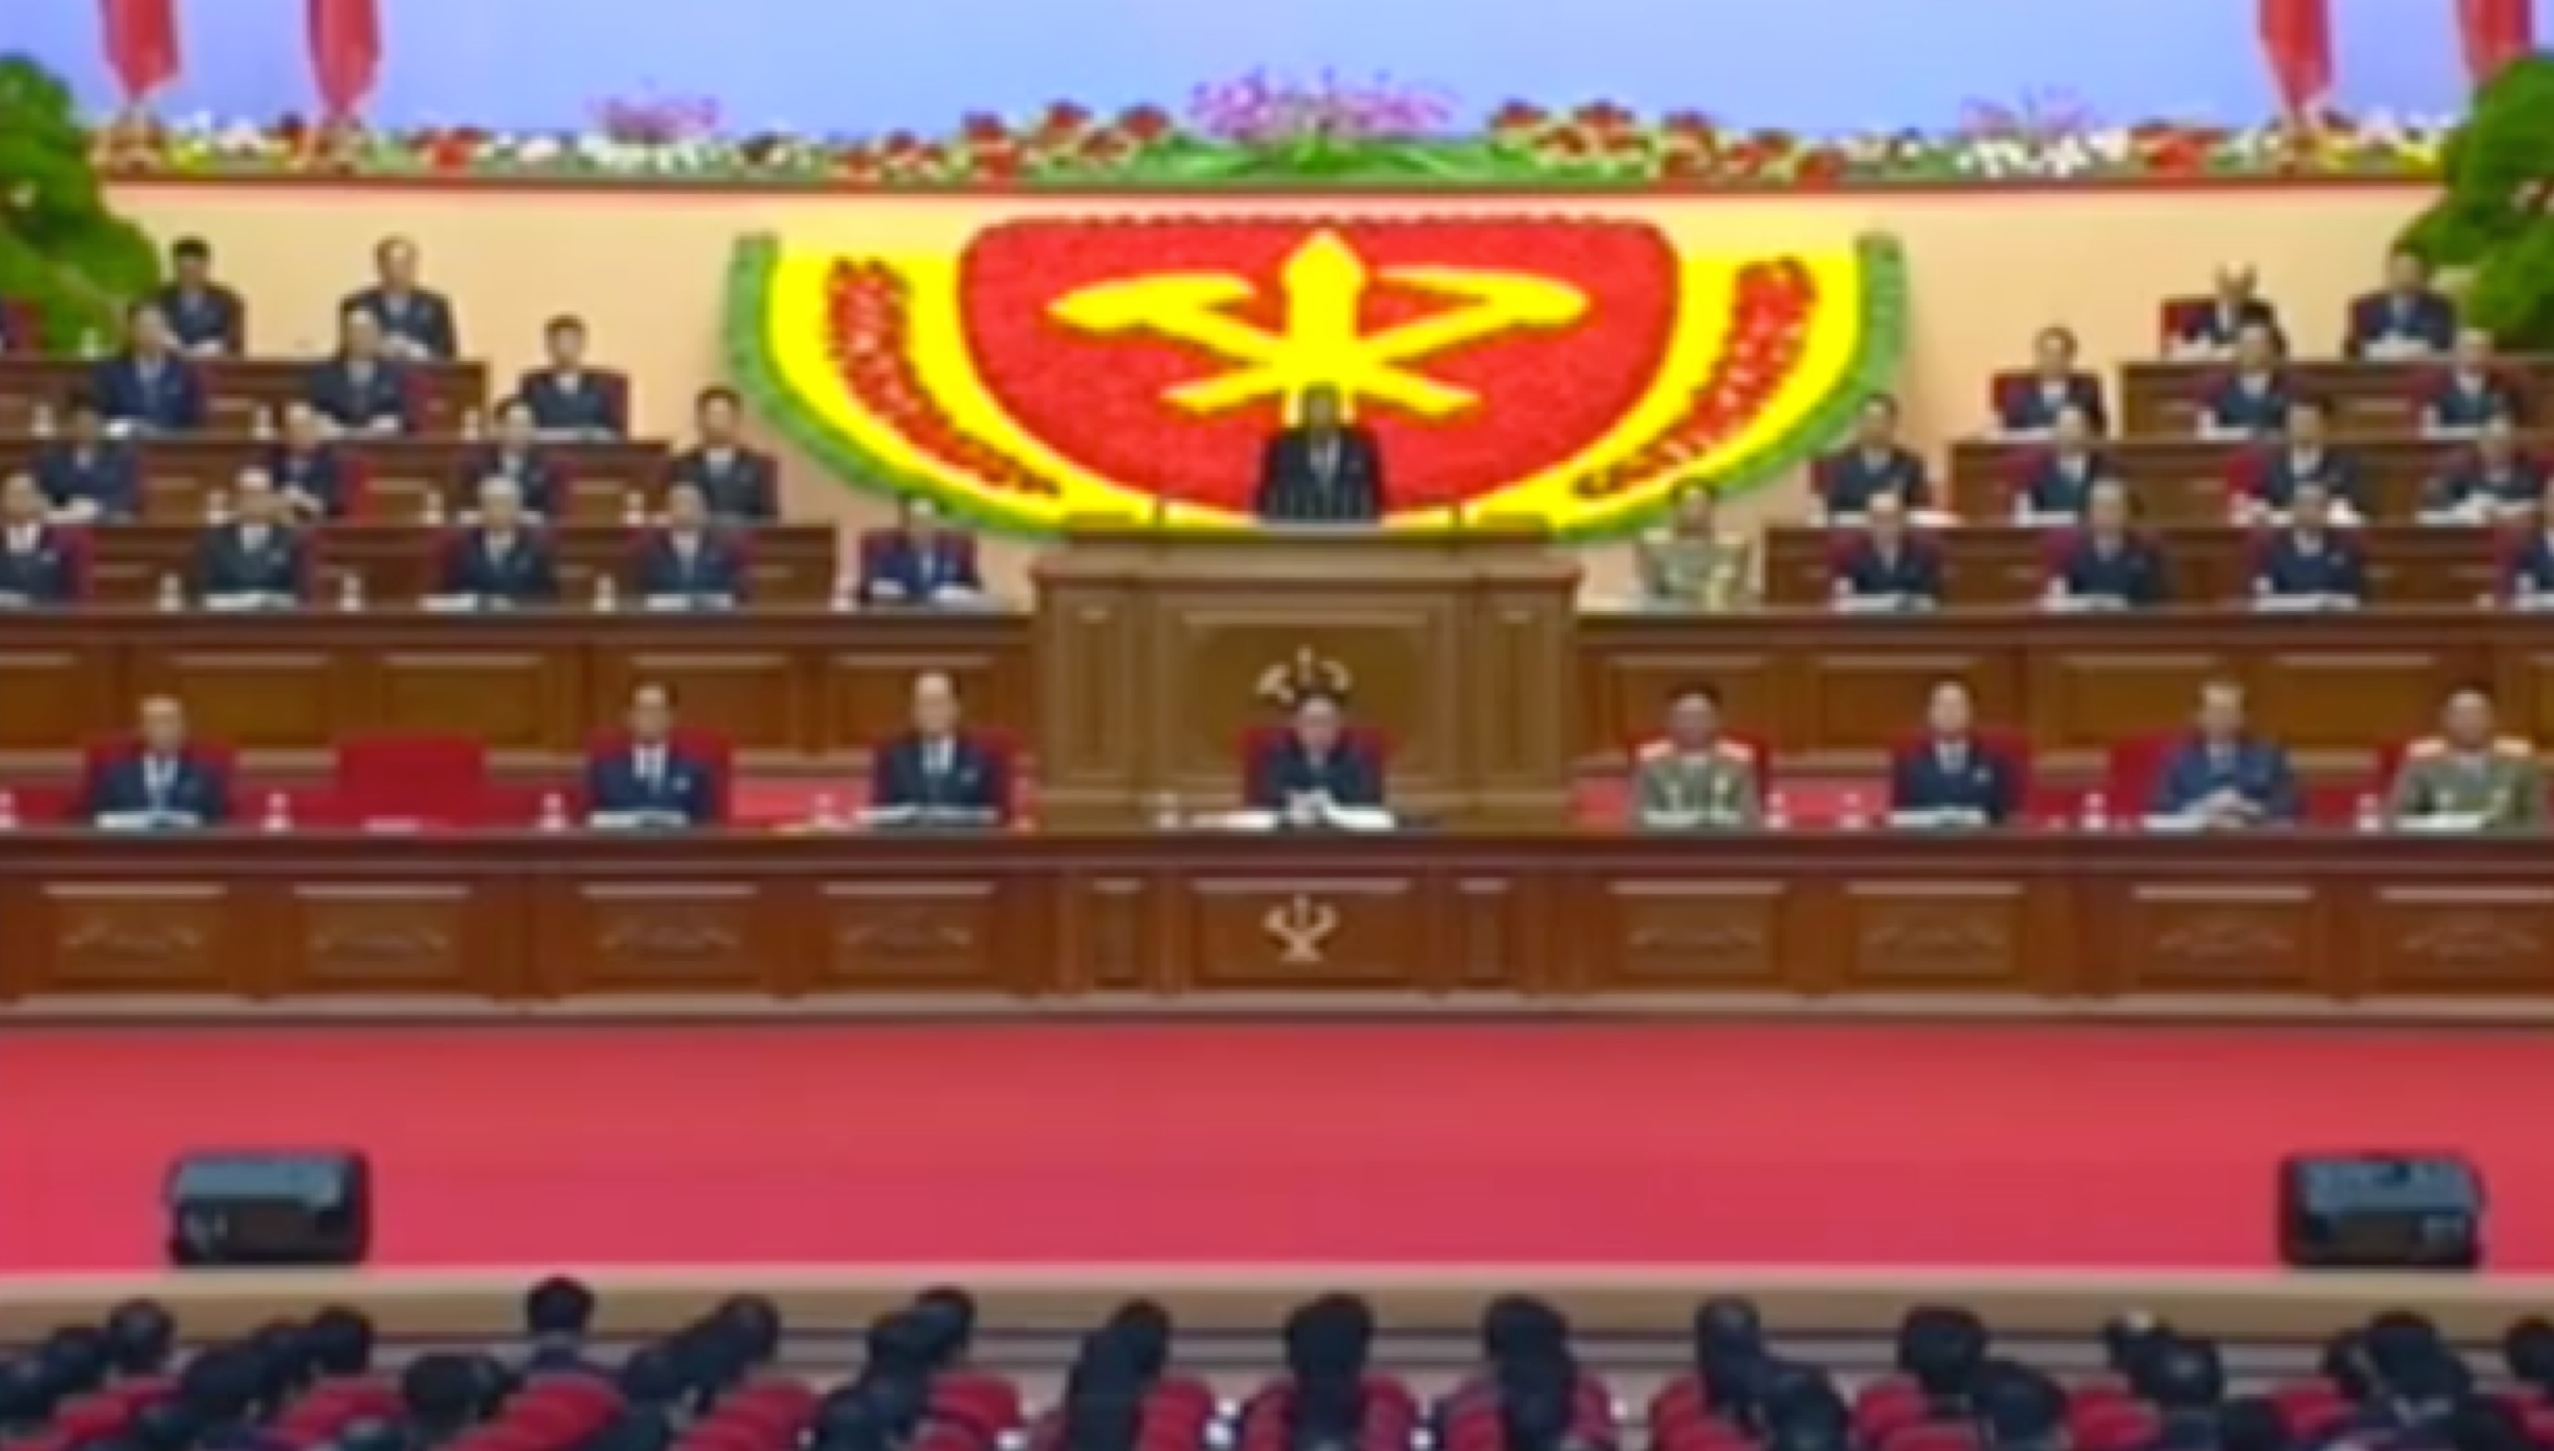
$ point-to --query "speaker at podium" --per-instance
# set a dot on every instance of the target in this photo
(1155, 647)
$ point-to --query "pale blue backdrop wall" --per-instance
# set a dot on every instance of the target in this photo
(859, 66)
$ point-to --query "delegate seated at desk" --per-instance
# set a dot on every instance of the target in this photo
(208, 319)
(2471, 390)
(935, 770)
(567, 398)
(358, 388)
(516, 453)
(1949, 773)
(88, 477)
(2055, 484)
(2235, 303)
(743, 484)
(1696, 779)
(2406, 318)
(2031, 403)
(2222, 777)
(1887, 566)
(418, 325)
(307, 467)
(1693, 563)
(2490, 480)
(1324, 470)
(2251, 400)
(258, 557)
(2305, 455)
(149, 387)
(2468, 774)
(689, 561)
(160, 780)
(37, 566)
(1873, 466)
(2107, 565)
(2307, 562)
(502, 560)
(1315, 766)
(647, 779)
(921, 561)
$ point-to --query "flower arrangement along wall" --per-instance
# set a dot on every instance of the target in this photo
(1571, 370)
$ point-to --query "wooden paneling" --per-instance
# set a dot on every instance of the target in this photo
(2002, 565)
(2182, 479)
(535, 916)
(181, 476)
(2370, 396)
(237, 388)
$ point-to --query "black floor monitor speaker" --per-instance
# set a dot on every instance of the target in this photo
(2374, 1210)
(270, 1207)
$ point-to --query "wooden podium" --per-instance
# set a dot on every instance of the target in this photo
(1157, 650)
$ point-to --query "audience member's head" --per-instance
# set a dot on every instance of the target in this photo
(359, 336)
(1142, 1330)
(2473, 349)
(2256, 348)
(21, 502)
(340, 1342)
(1875, 423)
(561, 1308)
(716, 414)
(686, 508)
(565, 340)
(441, 1394)
(518, 431)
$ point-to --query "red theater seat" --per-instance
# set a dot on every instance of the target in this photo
(426, 779)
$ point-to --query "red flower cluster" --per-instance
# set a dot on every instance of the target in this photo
(1769, 326)
(1681, 146)
(990, 150)
(867, 308)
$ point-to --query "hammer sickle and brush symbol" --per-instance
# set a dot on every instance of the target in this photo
(1302, 929)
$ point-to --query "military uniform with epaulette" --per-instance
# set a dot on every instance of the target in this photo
(2500, 784)
(1710, 787)
(1714, 571)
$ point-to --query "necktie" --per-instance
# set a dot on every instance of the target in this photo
(936, 758)
(252, 538)
(651, 770)
(156, 773)
(926, 564)
(1953, 759)
(1325, 458)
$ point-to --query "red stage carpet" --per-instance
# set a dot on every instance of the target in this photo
(1771, 1144)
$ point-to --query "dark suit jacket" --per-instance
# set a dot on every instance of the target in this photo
(2232, 405)
(597, 404)
(422, 317)
(1847, 481)
(2336, 469)
(2452, 401)
(215, 315)
(745, 485)
(2523, 482)
(917, 564)
(225, 565)
(717, 566)
(169, 399)
(1293, 489)
(2028, 402)
(527, 575)
(2209, 322)
(2047, 485)
(541, 480)
(2134, 573)
(1983, 781)
(2257, 770)
(1916, 570)
(2287, 567)
(361, 403)
(1350, 775)
(197, 788)
(323, 473)
(685, 787)
(45, 574)
(108, 476)
(2425, 317)
(2529, 568)
(973, 781)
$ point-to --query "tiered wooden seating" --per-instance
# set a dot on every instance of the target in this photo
(2006, 566)
(180, 475)
(2182, 480)
(2368, 396)
(237, 389)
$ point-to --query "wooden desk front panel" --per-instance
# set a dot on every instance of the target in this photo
(2183, 480)
(792, 565)
(2370, 397)
(180, 476)
(540, 917)
(237, 388)
(2004, 566)
(804, 683)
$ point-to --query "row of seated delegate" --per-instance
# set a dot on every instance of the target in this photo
(1321, 771)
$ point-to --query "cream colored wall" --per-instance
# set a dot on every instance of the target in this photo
(645, 269)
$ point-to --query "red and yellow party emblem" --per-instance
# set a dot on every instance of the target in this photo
(1033, 369)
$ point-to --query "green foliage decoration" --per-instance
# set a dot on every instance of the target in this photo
(64, 255)
(2494, 222)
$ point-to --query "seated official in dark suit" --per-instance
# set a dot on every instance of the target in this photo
(2472, 390)
(2527, 564)
(2055, 484)
(2213, 324)
(935, 774)
(207, 319)
(360, 389)
(2406, 318)
(2308, 562)
(1950, 773)
(314, 477)
(256, 559)
(2491, 480)
(39, 564)
(1315, 767)
(2251, 398)
(919, 561)
(1873, 464)
(648, 780)
(569, 399)
(2304, 454)
(416, 325)
(502, 561)
(2030, 402)
(149, 387)
(160, 781)
(87, 477)
(690, 562)
(742, 484)
(2223, 777)
(1324, 470)
(515, 454)
(1887, 565)
(2107, 565)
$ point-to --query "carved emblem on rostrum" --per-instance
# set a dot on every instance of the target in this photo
(1301, 928)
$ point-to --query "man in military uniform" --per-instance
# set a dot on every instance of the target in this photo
(1696, 779)
(2466, 771)
(1693, 563)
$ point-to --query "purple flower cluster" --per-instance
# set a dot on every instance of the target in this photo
(1260, 109)
(2039, 118)
(655, 120)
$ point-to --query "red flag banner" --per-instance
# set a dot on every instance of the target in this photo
(345, 52)
(2296, 39)
(2495, 33)
(141, 44)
